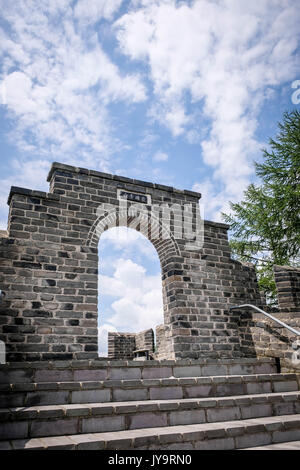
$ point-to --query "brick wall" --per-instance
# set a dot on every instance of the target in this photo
(49, 270)
(123, 345)
(260, 336)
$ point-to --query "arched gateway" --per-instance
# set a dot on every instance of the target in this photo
(49, 267)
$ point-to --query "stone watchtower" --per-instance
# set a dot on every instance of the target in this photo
(49, 267)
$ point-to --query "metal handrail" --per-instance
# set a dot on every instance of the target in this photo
(267, 315)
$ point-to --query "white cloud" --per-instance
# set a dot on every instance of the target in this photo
(225, 56)
(64, 102)
(90, 11)
(219, 60)
(213, 201)
(57, 83)
(160, 157)
(139, 297)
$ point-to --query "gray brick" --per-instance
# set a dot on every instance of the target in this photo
(103, 424)
(163, 393)
(253, 440)
(223, 414)
(187, 371)
(90, 396)
(147, 420)
(14, 430)
(130, 373)
(198, 391)
(129, 395)
(256, 411)
(187, 417)
(54, 428)
(100, 374)
(216, 444)
(285, 386)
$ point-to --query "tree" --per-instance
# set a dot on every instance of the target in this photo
(265, 225)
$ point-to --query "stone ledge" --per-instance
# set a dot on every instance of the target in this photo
(253, 385)
(216, 224)
(96, 363)
(232, 434)
(31, 193)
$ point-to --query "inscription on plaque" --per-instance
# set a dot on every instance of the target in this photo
(134, 197)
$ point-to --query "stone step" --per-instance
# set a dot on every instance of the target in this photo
(67, 371)
(57, 420)
(281, 446)
(52, 393)
(208, 436)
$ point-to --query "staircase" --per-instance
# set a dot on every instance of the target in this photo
(185, 405)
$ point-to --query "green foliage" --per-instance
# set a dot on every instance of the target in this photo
(266, 224)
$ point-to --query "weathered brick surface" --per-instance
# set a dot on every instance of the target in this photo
(49, 272)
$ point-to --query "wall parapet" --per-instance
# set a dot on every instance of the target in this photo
(124, 345)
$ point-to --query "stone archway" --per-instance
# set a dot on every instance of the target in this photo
(114, 217)
(164, 243)
(49, 268)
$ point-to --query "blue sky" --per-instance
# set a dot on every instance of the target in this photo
(185, 93)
